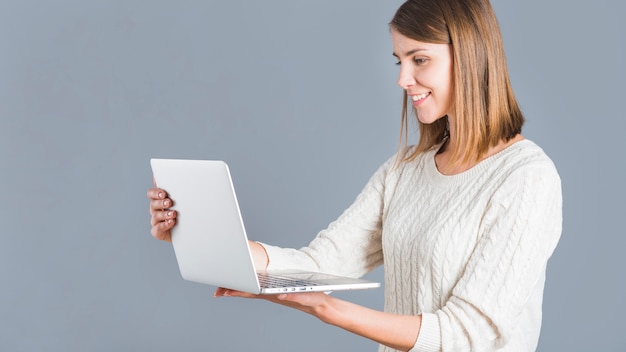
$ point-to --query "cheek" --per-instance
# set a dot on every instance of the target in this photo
(446, 83)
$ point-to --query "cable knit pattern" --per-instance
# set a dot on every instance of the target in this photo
(468, 252)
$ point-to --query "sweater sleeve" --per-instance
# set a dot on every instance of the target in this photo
(351, 245)
(519, 232)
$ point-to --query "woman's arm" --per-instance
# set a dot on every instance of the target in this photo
(351, 245)
(396, 331)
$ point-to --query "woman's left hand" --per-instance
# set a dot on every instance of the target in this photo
(309, 302)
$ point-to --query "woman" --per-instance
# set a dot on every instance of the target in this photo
(464, 221)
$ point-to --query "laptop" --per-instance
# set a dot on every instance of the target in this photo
(210, 241)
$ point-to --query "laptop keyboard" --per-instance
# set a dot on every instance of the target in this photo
(269, 281)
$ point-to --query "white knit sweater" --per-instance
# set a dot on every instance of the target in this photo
(468, 251)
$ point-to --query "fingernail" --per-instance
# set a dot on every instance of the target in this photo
(226, 293)
(160, 194)
(166, 203)
(169, 213)
(169, 221)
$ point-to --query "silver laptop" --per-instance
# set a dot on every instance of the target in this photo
(210, 240)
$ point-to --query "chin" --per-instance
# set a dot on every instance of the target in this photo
(428, 120)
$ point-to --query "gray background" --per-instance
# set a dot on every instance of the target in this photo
(300, 98)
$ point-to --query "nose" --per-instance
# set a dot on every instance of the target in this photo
(405, 78)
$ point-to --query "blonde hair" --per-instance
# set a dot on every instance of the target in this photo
(485, 109)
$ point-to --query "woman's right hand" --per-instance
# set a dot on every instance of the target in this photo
(163, 218)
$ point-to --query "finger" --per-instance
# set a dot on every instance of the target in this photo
(160, 215)
(156, 193)
(224, 292)
(219, 292)
(160, 204)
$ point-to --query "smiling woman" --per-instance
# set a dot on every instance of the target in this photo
(484, 109)
(464, 222)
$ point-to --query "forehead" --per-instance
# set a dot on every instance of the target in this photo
(405, 46)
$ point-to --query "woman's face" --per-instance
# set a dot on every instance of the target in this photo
(425, 75)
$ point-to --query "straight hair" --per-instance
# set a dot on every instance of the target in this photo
(485, 109)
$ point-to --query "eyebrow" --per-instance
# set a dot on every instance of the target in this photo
(409, 53)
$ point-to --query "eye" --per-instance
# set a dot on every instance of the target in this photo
(420, 60)
(398, 63)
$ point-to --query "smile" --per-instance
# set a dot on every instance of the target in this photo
(419, 97)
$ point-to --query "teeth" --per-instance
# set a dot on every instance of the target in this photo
(419, 97)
